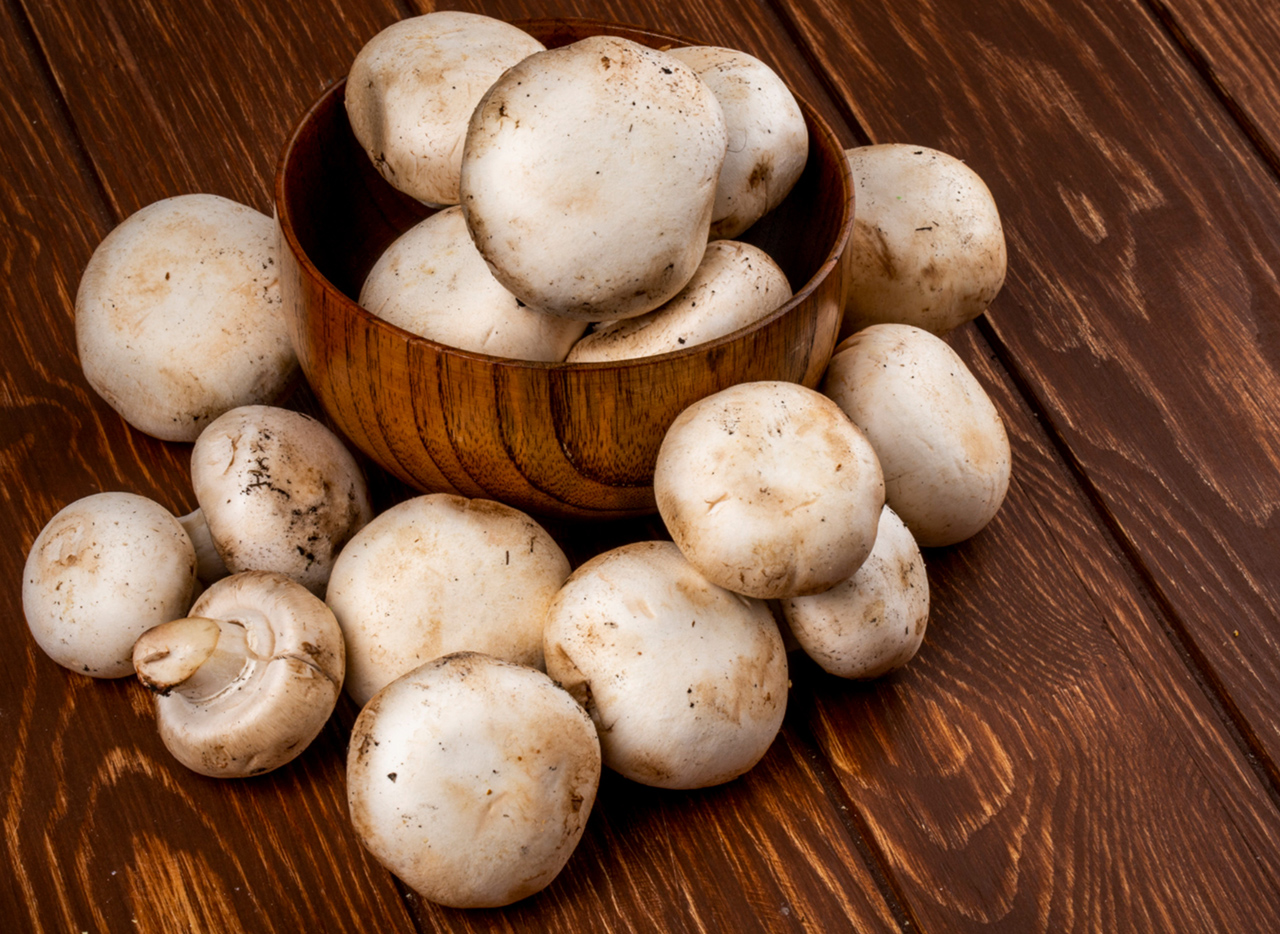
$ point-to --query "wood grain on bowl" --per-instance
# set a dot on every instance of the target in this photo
(575, 440)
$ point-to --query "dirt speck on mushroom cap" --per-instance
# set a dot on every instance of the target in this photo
(279, 492)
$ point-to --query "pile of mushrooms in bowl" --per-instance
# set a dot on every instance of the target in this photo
(573, 439)
(495, 681)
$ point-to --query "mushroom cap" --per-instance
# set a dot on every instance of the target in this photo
(927, 246)
(686, 681)
(178, 315)
(941, 442)
(735, 285)
(874, 621)
(279, 492)
(769, 489)
(282, 697)
(768, 138)
(589, 176)
(104, 570)
(433, 282)
(439, 574)
(412, 88)
(472, 778)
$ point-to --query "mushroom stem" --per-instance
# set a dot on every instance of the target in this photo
(209, 564)
(196, 656)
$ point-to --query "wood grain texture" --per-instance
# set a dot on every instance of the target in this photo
(1229, 43)
(1140, 309)
(1047, 763)
(1043, 752)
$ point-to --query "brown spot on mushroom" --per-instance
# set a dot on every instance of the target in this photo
(761, 174)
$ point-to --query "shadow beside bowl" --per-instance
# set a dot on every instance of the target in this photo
(570, 440)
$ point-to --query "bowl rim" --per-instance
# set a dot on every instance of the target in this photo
(830, 263)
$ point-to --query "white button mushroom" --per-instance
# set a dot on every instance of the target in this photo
(178, 315)
(927, 246)
(279, 492)
(589, 176)
(439, 574)
(412, 88)
(102, 571)
(736, 284)
(768, 139)
(686, 682)
(769, 490)
(247, 681)
(471, 779)
(940, 440)
(433, 282)
(874, 621)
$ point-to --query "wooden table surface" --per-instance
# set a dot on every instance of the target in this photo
(1089, 738)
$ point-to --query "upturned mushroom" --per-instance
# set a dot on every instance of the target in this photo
(472, 778)
(434, 283)
(874, 621)
(178, 315)
(101, 572)
(940, 440)
(927, 247)
(735, 285)
(768, 139)
(412, 88)
(244, 683)
(769, 489)
(438, 574)
(685, 681)
(279, 492)
(589, 177)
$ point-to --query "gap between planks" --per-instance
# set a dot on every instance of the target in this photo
(107, 209)
(1200, 62)
(1219, 698)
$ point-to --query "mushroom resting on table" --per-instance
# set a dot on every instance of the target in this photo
(439, 574)
(178, 315)
(100, 573)
(940, 440)
(769, 489)
(245, 682)
(472, 778)
(686, 681)
(279, 492)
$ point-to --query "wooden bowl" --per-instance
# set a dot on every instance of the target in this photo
(575, 440)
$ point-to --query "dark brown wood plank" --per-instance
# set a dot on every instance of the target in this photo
(733, 857)
(1044, 764)
(1233, 45)
(102, 829)
(1140, 305)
